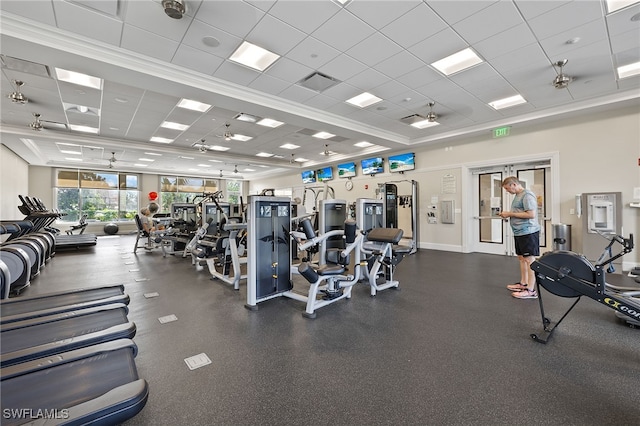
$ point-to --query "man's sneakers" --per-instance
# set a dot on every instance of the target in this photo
(517, 287)
(525, 294)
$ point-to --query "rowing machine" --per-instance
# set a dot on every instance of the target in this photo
(568, 274)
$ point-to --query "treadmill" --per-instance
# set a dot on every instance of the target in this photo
(22, 308)
(44, 336)
(97, 385)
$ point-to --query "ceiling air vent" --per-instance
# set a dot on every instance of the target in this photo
(22, 65)
(414, 118)
(318, 82)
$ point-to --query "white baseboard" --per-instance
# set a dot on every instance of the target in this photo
(441, 247)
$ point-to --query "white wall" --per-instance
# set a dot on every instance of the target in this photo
(598, 152)
(14, 181)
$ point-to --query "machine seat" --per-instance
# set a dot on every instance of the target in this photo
(401, 249)
(331, 269)
(385, 235)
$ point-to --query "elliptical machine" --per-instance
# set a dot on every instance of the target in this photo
(568, 274)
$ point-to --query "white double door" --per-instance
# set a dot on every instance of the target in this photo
(490, 233)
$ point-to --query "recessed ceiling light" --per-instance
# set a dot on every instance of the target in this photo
(457, 62)
(79, 78)
(364, 100)
(289, 146)
(73, 159)
(64, 151)
(153, 153)
(160, 140)
(204, 165)
(248, 170)
(323, 135)
(253, 56)
(264, 154)
(629, 70)
(218, 148)
(174, 126)
(193, 105)
(186, 158)
(363, 144)
(121, 100)
(507, 102)
(301, 160)
(140, 165)
(85, 129)
(146, 159)
(269, 122)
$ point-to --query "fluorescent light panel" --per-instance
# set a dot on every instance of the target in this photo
(613, 5)
(153, 153)
(264, 154)
(363, 100)
(363, 144)
(65, 151)
(629, 70)
(457, 62)
(507, 102)
(174, 126)
(301, 160)
(79, 78)
(289, 146)
(193, 105)
(150, 160)
(323, 135)
(242, 138)
(218, 148)
(246, 117)
(85, 129)
(268, 122)
(424, 124)
(160, 140)
(73, 159)
(253, 56)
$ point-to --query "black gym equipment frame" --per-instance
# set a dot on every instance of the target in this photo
(568, 274)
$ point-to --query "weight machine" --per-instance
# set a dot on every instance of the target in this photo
(568, 274)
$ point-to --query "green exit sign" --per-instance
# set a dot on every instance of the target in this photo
(501, 132)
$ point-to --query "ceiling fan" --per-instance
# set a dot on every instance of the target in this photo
(39, 124)
(326, 151)
(431, 116)
(201, 146)
(17, 97)
(561, 81)
(112, 160)
(227, 135)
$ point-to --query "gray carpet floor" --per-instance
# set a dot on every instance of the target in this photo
(450, 347)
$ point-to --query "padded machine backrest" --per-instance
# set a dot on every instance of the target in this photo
(139, 225)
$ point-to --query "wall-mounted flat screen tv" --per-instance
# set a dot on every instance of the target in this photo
(309, 176)
(402, 162)
(325, 173)
(347, 170)
(372, 166)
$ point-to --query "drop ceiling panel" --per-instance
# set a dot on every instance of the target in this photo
(383, 13)
(374, 49)
(148, 44)
(438, 46)
(367, 80)
(196, 60)
(88, 22)
(275, 35)
(504, 42)
(268, 84)
(565, 18)
(399, 64)
(237, 74)
(454, 12)
(343, 67)
(343, 31)
(307, 16)
(492, 20)
(288, 70)
(234, 17)
(226, 43)
(420, 23)
(43, 13)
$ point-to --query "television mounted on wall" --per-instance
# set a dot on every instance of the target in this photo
(372, 166)
(347, 170)
(325, 173)
(402, 162)
(309, 176)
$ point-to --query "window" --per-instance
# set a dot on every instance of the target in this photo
(176, 189)
(234, 191)
(102, 196)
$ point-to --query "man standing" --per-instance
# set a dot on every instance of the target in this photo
(526, 233)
